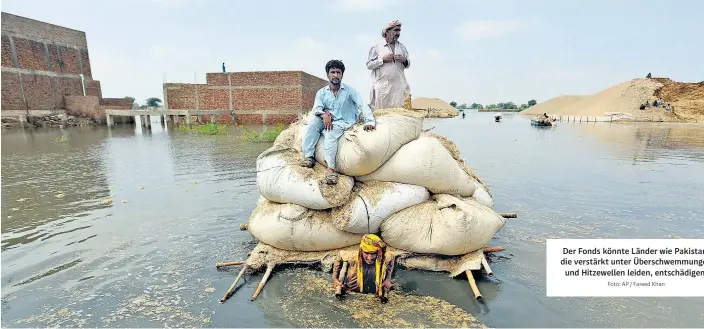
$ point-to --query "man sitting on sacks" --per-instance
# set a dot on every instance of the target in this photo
(369, 272)
(335, 110)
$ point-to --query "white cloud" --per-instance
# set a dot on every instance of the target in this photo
(486, 29)
(365, 5)
(366, 40)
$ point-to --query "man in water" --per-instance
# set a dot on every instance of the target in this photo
(387, 60)
(370, 272)
(336, 109)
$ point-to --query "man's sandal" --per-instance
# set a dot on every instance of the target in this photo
(331, 179)
(308, 162)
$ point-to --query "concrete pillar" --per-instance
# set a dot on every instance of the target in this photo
(64, 119)
(212, 118)
(188, 120)
(149, 121)
(177, 119)
(23, 120)
(162, 119)
(108, 118)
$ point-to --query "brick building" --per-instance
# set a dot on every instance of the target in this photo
(43, 65)
(254, 97)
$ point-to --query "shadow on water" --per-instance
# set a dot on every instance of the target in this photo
(123, 226)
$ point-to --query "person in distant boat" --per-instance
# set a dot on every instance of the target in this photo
(337, 107)
(388, 60)
(370, 272)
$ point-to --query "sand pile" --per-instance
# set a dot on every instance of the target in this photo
(553, 105)
(626, 98)
(434, 107)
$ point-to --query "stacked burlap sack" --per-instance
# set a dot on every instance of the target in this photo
(398, 181)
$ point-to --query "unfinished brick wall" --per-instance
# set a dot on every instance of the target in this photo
(255, 97)
(93, 88)
(116, 103)
(85, 106)
(41, 64)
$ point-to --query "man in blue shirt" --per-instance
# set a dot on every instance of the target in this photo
(337, 107)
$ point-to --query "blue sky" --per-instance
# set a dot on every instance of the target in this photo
(464, 51)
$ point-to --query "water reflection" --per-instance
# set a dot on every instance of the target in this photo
(148, 261)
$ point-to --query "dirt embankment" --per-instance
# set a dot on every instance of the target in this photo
(686, 98)
(434, 107)
(553, 105)
(624, 100)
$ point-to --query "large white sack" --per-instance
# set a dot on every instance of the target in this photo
(292, 227)
(281, 179)
(426, 162)
(444, 225)
(482, 195)
(375, 201)
(361, 152)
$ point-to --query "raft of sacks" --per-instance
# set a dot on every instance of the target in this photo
(407, 185)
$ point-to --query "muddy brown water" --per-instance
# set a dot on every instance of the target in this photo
(122, 227)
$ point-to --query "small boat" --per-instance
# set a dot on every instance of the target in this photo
(497, 117)
(540, 123)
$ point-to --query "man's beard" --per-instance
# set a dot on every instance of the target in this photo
(335, 81)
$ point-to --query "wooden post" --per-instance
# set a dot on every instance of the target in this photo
(263, 282)
(473, 285)
(237, 262)
(493, 249)
(486, 266)
(232, 287)
(343, 273)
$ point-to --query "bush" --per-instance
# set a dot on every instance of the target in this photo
(206, 129)
(265, 136)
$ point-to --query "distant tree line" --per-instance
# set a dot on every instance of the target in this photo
(504, 106)
(150, 102)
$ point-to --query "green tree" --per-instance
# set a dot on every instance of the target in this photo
(153, 102)
(475, 106)
(532, 102)
(491, 106)
(133, 104)
(480, 107)
(462, 106)
(509, 106)
(523, 107)
(453, 104)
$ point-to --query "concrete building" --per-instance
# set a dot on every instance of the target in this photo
(46, 69)
(254, 97)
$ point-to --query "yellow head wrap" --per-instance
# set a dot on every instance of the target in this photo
(372, 243)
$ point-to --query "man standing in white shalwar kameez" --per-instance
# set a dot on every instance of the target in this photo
(387, 60)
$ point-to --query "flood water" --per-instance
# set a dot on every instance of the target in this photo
(122, 227)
